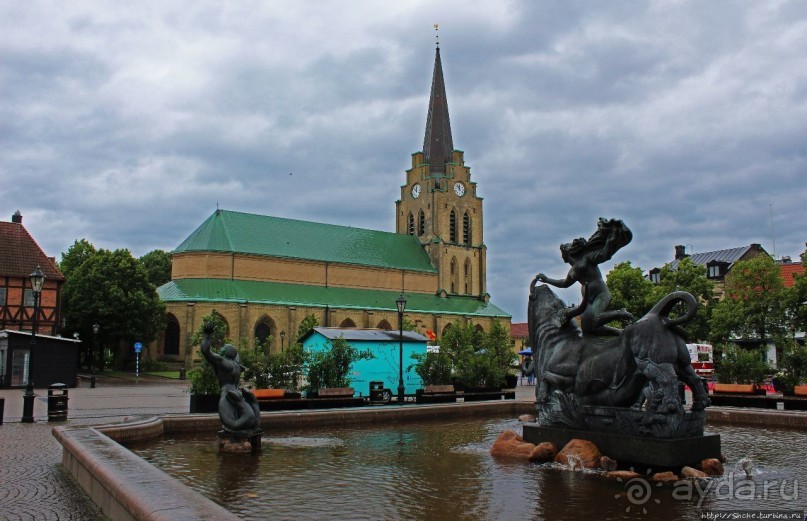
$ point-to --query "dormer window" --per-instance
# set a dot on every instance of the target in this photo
(655, 276)
(716, 270)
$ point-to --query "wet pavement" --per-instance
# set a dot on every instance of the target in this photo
(33, 484)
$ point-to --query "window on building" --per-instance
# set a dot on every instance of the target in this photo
(466, 228)
(467, 276)
(347, 323)
(28, 298)
(171, 337)
(3, 296)
(20, 362)
(655, 276)
(452, 227)
(410, 225)
(421, 223)
(454, 275)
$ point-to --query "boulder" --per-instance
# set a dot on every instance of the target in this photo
(607, 463)
(511, 445)
(712, 467)
(689, 472)
(624, 475)
(526, 418)
(587, 452)
(664, 477)
(544, 452)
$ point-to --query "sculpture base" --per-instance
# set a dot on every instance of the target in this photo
(637, 451)
(240, 443)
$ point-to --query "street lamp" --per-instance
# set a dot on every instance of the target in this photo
(37, 281)
(95, 329)
(282, 339)
(401, 303)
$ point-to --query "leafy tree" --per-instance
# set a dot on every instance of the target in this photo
(754, 303)
(158, 266)
(692, 279)
(203, 378)
(112, 289)
(331, 367)
(470, 356)
(75, 256)
(742, 366)
(432, 368)
(797, 300)
(629, 289)
(307, 324)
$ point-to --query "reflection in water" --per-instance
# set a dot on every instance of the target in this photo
(442, 471)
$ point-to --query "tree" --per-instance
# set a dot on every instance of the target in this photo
(111, 288)
(629, 289)
(158, 266)
(474, 358)
(692, 279)
(331, 367)
(75, 256)
(754, 304)
(307, 324)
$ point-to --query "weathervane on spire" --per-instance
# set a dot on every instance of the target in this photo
(437, 35)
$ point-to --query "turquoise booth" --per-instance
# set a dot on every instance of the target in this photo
(384, 345)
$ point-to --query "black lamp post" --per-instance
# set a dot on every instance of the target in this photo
(37, 281)
(401, 303)
(95, 329)
(282, 340)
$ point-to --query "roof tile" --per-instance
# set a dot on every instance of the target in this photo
(20, 254)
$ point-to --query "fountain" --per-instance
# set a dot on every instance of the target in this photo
(617, 389)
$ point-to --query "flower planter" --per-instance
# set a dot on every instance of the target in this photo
(800, 390)
(204, 403)
(736, 388)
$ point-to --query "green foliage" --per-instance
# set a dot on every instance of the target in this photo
(75, 256)
(158, 266)
(793, 365)
(692, 279)
(110, 288)
(754, 305)
(408, 325)
(203, 378)
(331, 367)
(151, 365)
(308, 323)
(629, 289)
(796, 300)
(469, 356)
(742, 366)
(272, 370)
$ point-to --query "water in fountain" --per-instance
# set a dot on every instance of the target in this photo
(574, 461)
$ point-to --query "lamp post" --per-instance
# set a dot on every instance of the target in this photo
(401, 303)
(282, 340)
(95, 329)
(37, 281)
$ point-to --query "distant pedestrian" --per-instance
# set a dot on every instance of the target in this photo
(528, 369)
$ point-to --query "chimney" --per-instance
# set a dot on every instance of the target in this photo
(17, 217)
(680, 252)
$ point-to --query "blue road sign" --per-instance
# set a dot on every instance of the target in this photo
(138, 347)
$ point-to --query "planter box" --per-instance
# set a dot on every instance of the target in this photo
(204, 403)
(800, 390)
(735, 388)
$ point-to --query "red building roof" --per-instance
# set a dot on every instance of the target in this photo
(787, 272)
(20, 254)
(519, 330)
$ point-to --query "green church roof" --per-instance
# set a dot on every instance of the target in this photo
(225, 290)
(238, 232)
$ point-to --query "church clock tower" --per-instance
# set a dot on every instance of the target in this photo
(439, 204)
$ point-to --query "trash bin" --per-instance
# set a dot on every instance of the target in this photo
(376, 392)
(57, 403)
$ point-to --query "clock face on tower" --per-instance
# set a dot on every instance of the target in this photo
(416, 191)
(459, 189)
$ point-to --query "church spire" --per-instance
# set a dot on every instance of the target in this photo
(437, 144)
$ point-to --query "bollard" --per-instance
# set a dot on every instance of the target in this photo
(28, 404)
(182, 373)
(92, 382)
(2, 409)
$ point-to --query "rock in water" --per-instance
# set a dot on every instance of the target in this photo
(689, 472)
(511, 445)
(607, 464)
(588, 453)
(664, 477)
(544, 452)
(624, 475)
(712, 467)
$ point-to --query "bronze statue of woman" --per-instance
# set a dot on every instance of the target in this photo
(585, 256)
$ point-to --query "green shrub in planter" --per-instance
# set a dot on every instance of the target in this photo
(742, 366)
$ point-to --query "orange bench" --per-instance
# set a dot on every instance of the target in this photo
(800, 390)
(268, 394)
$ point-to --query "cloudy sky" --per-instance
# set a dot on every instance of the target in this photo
(127, 123)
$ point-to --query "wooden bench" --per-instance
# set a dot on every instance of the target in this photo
(737, 389)
(331, 397)
(269, 394)
(800, 390)
(336, 392)
(436, 394)
(478, 396)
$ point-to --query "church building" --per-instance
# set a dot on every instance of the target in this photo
(263, 275)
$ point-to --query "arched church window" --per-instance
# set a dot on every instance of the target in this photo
(466, 228)
(264, 332)
(454, 275)
(347, 323)
(384, 325)
(452, 227)
(421, 223)
(410, 225)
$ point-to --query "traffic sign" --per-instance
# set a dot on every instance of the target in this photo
(138, 347)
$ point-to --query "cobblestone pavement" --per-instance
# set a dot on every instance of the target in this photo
(33, 484)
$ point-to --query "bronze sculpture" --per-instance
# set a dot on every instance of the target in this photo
(238, 408)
